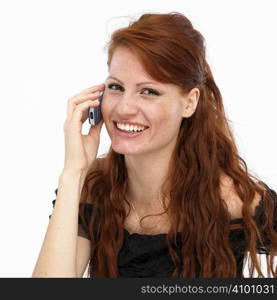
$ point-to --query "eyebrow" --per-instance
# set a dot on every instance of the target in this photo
(138, 84)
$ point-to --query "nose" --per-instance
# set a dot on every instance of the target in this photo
(127, 105)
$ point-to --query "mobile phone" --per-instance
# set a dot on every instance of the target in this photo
(94, 113)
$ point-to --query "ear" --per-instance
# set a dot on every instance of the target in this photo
(190, 102)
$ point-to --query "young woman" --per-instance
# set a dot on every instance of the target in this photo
(172, 197)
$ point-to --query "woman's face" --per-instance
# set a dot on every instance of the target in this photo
(156, 106)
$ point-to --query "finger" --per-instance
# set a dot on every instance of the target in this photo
(76, 120)
(72, 102)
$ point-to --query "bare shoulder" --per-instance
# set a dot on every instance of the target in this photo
(232, 199)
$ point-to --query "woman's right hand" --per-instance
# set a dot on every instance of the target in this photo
(81, 150)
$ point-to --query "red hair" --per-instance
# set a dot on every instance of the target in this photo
(173, 51)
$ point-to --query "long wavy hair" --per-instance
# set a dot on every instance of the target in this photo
(173, 51)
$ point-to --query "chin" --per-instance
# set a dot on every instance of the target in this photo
(124, 151)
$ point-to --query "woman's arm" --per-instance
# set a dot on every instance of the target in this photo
(57, 256)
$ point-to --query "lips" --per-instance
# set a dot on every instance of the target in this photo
(125, 134)
(130, 123)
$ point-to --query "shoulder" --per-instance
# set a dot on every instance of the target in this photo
(232, 199)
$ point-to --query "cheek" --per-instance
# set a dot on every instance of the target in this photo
(168, 116)
(105, 109)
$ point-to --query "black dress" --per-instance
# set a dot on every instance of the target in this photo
(145, 255)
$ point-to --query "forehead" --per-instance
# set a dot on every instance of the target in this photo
(123, 60)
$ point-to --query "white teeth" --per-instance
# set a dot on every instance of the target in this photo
(130, 128)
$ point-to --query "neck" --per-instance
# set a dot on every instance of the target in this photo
(146, 174)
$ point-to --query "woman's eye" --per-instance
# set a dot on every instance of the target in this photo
(150, 91)
(113, 84)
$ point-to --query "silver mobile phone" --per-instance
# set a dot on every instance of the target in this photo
(94, 113)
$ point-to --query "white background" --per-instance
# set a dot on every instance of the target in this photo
(50, 50)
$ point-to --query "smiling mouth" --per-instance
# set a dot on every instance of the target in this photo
(125, 133)
(129, 131)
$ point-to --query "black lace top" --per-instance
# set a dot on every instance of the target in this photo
(145, 255)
